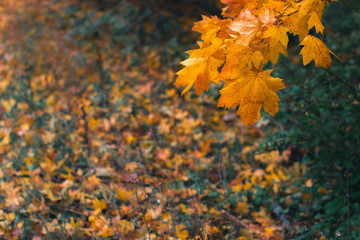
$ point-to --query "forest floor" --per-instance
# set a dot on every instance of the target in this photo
(144, 163)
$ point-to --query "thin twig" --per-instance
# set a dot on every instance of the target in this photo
(287, 15)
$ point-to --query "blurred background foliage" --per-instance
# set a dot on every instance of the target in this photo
(97, 143)
(319, 122)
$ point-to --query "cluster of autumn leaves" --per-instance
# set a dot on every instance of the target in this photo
(235, 48)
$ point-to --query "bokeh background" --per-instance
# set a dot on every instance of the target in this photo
(97, 143)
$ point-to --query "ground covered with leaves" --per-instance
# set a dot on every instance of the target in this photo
(97, 143)
(148, 164)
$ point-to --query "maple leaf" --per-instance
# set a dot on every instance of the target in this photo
(277, 34)
(237, 62)
(315, 49)
(272, 53)
(252, 91)
(234, 7)
(311, 5)
(246, 26)
(200, 69)
(306, 10)
(267, 17)
(276, 6)
(256, 59)
(305, 7)
(314, 21)
(297, 26)
(277, 42)
(207, 27)
(211, 27)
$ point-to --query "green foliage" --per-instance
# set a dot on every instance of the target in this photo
(319, 121)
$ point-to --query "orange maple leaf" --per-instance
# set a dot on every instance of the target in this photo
(234, 7)
(315, 49)
(252, 91)
(201, 68)
(246, 26)
(211, 28)
(315, 21)
(277, 34)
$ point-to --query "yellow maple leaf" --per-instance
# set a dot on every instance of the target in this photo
(208, 27)
(277, 34)
(239, 62)
(314, 21)
(273, 53)
(252, 91)
(305, 7)
(315, 49)
(256, 59)
(211, 28)
(201, 68)
(311, 5)
(297, 26)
